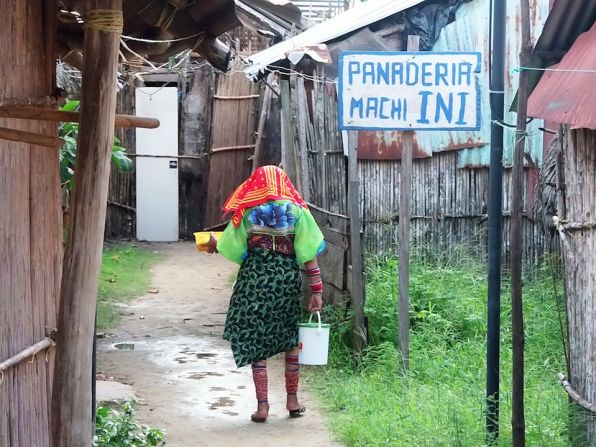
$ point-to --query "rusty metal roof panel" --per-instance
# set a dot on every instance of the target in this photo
(569, 96)
(566, 21)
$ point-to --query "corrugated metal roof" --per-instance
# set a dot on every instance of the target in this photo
(569, 97)
(351, 20)
(566, 21)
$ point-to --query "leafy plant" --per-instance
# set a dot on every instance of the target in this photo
(68, 153)
(119, 429)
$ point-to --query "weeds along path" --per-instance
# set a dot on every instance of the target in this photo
(168, 346)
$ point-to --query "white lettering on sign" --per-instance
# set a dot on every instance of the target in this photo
(409, 91)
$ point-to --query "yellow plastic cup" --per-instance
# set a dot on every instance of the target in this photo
(202, 239)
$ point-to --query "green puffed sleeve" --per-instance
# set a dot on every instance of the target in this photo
(233, 243)
(308, 242)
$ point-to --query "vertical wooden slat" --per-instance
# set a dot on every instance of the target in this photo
(301, 122)
(287, 132)
(257, 157)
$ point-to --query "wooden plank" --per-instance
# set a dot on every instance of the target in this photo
(23, 136)
(297, 132)
(71, 398)
(319, 122)
(177, 157)
(237, 97)
(334, 266)
(59, 116)
(338, 222)
(334, 296)
(303, 144)
(336, 238)
(257, 158)
(232, 148)
(405, 212)
(357, 295)
(287, 135)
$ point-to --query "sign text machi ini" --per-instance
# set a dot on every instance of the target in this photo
(409, 91)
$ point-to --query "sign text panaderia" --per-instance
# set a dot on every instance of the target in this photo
(409, 91)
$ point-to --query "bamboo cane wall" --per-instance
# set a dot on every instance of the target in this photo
(579, 250)
(30, 225)
(120, 216)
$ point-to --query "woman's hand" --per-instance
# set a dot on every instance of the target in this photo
(212, 244)
(316, 302)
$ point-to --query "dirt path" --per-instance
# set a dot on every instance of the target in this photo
(183, 372)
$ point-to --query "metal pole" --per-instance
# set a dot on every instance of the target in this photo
(495, 217)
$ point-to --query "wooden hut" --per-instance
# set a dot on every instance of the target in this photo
(564, 97)
(45, 302)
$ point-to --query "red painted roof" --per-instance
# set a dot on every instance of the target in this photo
(569, 97)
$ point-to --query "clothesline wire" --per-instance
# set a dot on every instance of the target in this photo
(138, 39)
(561, 70)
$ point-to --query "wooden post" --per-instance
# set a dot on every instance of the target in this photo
(319, 115)
(517, 320)
(357, 295)
(256, 161)
(71, 399)
(288, 161)
(405, 212)
(301, 122)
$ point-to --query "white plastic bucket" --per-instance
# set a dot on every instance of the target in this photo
(314, 342)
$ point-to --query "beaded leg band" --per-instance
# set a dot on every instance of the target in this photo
(292, 374)
(259, 376)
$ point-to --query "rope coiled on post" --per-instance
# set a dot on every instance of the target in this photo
(106, 20)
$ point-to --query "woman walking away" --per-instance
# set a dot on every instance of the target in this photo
(271, 234)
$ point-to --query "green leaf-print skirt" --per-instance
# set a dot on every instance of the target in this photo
(264, 309)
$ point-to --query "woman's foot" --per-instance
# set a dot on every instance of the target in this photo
(262, 412)
(294, 408)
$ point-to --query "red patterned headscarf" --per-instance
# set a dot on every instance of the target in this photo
(265, 184)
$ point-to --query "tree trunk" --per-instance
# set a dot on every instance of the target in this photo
(71, 400)
(579, 253)
(30, 224)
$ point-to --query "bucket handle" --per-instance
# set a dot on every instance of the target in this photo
(319, 318)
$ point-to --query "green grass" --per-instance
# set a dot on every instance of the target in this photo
(441, 401)
(124, 275)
